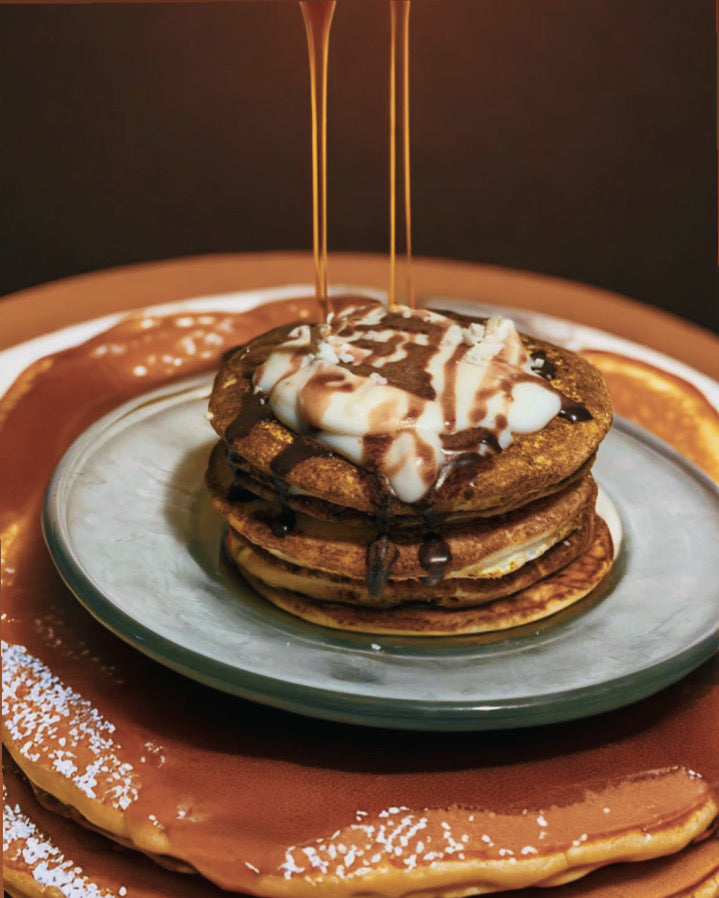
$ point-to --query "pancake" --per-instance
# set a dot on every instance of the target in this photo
(532, 465)
(451, 593)
(479, 548)
(267, 487)
(546, 596)
(453, 854)
(664, 404)
(446, 851)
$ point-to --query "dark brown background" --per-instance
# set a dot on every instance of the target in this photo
(571, 137)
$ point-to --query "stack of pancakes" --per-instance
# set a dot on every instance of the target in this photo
(502, 531)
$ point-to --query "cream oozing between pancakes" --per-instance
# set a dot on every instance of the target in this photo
(404, 392)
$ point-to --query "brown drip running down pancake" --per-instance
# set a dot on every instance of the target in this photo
(408, 472)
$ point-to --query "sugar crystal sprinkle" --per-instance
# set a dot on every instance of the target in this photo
(26, 847)
(399, 837)
(55, 727)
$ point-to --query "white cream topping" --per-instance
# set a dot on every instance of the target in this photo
(388, 390)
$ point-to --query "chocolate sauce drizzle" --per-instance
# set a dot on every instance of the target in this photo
(542, 366)
(434, 556)
(253, 409)
(284, 523)
(381, 555)
(571, 411)
(239, 493)
(381, 552)
(574, 411)
(473, 440)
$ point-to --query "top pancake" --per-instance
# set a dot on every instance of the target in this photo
(534, 465)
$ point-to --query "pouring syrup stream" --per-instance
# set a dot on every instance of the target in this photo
(399, 173)
(317, 15)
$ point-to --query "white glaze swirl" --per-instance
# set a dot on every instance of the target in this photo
(403, 392)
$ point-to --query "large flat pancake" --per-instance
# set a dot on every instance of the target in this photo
(43, 848)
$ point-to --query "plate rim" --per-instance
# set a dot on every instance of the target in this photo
(381, 711)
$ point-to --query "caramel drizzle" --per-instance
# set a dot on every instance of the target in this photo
(399, 127)
(317, 15)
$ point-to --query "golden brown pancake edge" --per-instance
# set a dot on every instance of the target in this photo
(542, 599)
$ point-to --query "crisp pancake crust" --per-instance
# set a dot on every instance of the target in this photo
(531, 465)
(264, 486)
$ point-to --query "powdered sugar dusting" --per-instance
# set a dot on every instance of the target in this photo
(396, 836)
(195, 337)
(56, 728)
(28, 850)
(406, 839)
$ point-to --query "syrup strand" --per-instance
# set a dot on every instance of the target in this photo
(399, 99)
(392, 296)
(317, 15)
